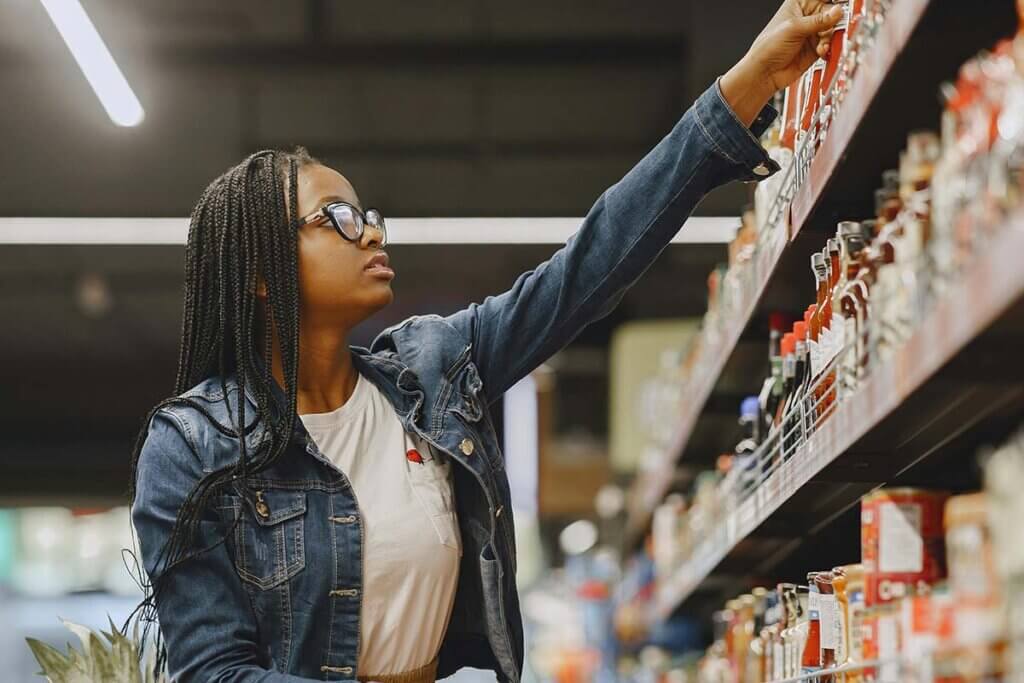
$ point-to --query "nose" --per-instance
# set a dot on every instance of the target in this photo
(372, 237)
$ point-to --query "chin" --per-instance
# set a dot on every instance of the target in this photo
(383, 300)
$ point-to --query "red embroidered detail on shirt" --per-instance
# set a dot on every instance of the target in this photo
(414, 456)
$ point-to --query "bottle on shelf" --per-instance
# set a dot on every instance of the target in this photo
(667, 531)
(801, 631)
(848, 305)
(827, 637)
(827, 334)
(786, 595)
(833, 77)
(745, 632)
(768, 633)
(798, 406)
(733, 640)
(819, 268)
(807, 136)
(879, 278)
(810, 660)
(810, 104)
(754, 667)
(788, 350)
(853, 621)
(856, 40)
(773, 387)
(973, 578)
(841, 614)
(791, 415)
(917, 169)
(790, 114)
(746, 449)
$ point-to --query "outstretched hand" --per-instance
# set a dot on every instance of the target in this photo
(796, 36)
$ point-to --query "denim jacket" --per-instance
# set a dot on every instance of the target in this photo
(280, 601)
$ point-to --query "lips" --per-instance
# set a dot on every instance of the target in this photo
(379, 260)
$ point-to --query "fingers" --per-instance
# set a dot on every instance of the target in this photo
(824, 43)
(813, 24)
(807, 57)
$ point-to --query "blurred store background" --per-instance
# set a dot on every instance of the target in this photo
(663, 463)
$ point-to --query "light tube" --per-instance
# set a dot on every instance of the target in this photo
(95, 61)
(401, 231)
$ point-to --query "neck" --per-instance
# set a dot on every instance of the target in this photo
(327, 376)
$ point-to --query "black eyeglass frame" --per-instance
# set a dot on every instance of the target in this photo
(361, 220)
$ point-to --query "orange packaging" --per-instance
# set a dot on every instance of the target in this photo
(902, 543)
(918, 625)
(790, 114)
(812, 98)
(835, 56)
(889, 641)
(869, 640)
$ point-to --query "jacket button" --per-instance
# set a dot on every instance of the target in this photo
(761, 170)
(261, 506)
(466, 447)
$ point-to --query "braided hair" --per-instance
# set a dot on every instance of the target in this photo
(244, 225)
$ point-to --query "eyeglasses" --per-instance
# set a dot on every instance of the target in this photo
(348, 220)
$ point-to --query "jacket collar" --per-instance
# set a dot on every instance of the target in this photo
(396, 381)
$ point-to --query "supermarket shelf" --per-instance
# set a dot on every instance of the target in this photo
(892, 37)
(921, 44)
(831, 671)
(651, 486)
(880, 411)
(911, 55)
(887, 669)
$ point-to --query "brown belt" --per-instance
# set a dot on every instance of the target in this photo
(425, 674)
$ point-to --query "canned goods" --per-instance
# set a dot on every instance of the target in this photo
(902, 542)
(889, 641)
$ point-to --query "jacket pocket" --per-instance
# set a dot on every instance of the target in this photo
(497, 625)
(270, 536)
(430, 482)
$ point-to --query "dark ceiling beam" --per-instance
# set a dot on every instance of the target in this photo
(369, 53)
(318, 18)
(468, 150)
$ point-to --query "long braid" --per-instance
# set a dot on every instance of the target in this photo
(243, 227)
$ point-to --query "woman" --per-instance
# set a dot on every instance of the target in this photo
(308, 510)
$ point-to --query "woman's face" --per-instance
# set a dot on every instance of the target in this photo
(336, 282)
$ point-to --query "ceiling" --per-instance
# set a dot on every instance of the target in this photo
(433, 108)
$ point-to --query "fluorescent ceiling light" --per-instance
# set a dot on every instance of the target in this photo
(697, 230)
(95, 61)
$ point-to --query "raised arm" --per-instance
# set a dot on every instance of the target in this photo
(632, 221)
(204, 643)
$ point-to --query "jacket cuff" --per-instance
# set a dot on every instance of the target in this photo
(733, 141)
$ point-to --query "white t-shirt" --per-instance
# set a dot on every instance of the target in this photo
(411, 544)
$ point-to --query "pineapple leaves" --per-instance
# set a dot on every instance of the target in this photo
(95, 662)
